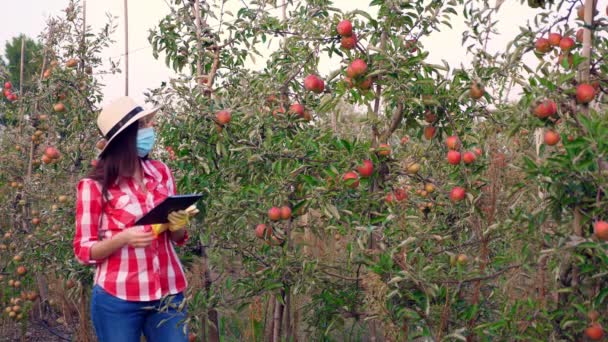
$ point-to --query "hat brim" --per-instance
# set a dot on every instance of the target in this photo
(129, 123)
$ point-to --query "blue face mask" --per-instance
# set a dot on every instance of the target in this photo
(145, 141)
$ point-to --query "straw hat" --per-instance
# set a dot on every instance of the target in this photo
(118, 115)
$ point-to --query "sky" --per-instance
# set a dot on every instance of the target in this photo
(28, 16)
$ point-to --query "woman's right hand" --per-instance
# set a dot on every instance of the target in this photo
(137, 238)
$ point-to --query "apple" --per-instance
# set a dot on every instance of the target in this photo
(35, 221)
(478, 151)
(297, 108)
(52, 152)
(429, 132)
(566, 44)
(101, 144)
(345, 28)
(8, 85)
(454, 157)
(579, 35)
(389, 198)
(307, 116)
(595, 332)
(410, 45)
(21, 270)
(570, 59)
(462, 259)
(274, 214)
(285, 212)
(192, 337)
(223, 117)
(400, 195)
(468, 157)
(405, 140)
(12, 97)
(314, 83)
(429, 187)
(72, 62)
(554, 39)
(600, 229)
(551, 138)
(357, 68)
(349, 42)
(457, 194)
(367, 169)
(545, 109)
(585, 93)
(59, 107)
(348, 81)
(476, 91)
(413, 168)
(542, 45)
(366, 84)
(429, 117)
(593, 315)
(384, 149)
(278, 111)
(351, 179)
(62, 198)
(452, 142)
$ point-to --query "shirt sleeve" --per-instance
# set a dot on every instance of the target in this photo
(172, 191)
(88, 213)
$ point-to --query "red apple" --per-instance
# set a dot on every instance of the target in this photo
(297, 108)
(545, 109)
(261, 232)
(595, 332)
(600, 229)
(584, 93)
(389, 198)
(12, 97)
(274, 214)
(454, 157)
(542, 45)
(405, 140)
(345, 28)
(357, 68)
(46, 159)
(223, 117)
(365, 84)
(384, 149)
(51, 152)
(452, 142)
(429, 132)
(8, 85)
(552, 138)
(367, 169)
(468, 157)
(314, 83)
(429, 117)
(566, 44)
(400, 195)
(457, 194)
(554, 39)
(349, 42)
(478, 151)
(410, 45)
(351, 179)
(285, 212)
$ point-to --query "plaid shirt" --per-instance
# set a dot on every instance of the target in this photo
(133, 274)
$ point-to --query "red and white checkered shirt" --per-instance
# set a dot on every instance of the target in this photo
(133, 274)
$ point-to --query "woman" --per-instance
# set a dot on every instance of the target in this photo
(137, 271)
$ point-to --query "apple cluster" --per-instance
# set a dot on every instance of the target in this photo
(8, 93)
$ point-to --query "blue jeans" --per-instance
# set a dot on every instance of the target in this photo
(118, 320)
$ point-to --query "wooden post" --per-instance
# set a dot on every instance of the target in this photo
(21, 67)
(126, 47)
(199, 46)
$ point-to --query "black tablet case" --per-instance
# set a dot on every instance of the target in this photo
(160, 213)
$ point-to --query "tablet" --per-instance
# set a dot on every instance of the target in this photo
(160, 213)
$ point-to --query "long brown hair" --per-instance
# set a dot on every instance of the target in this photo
(119, 159)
